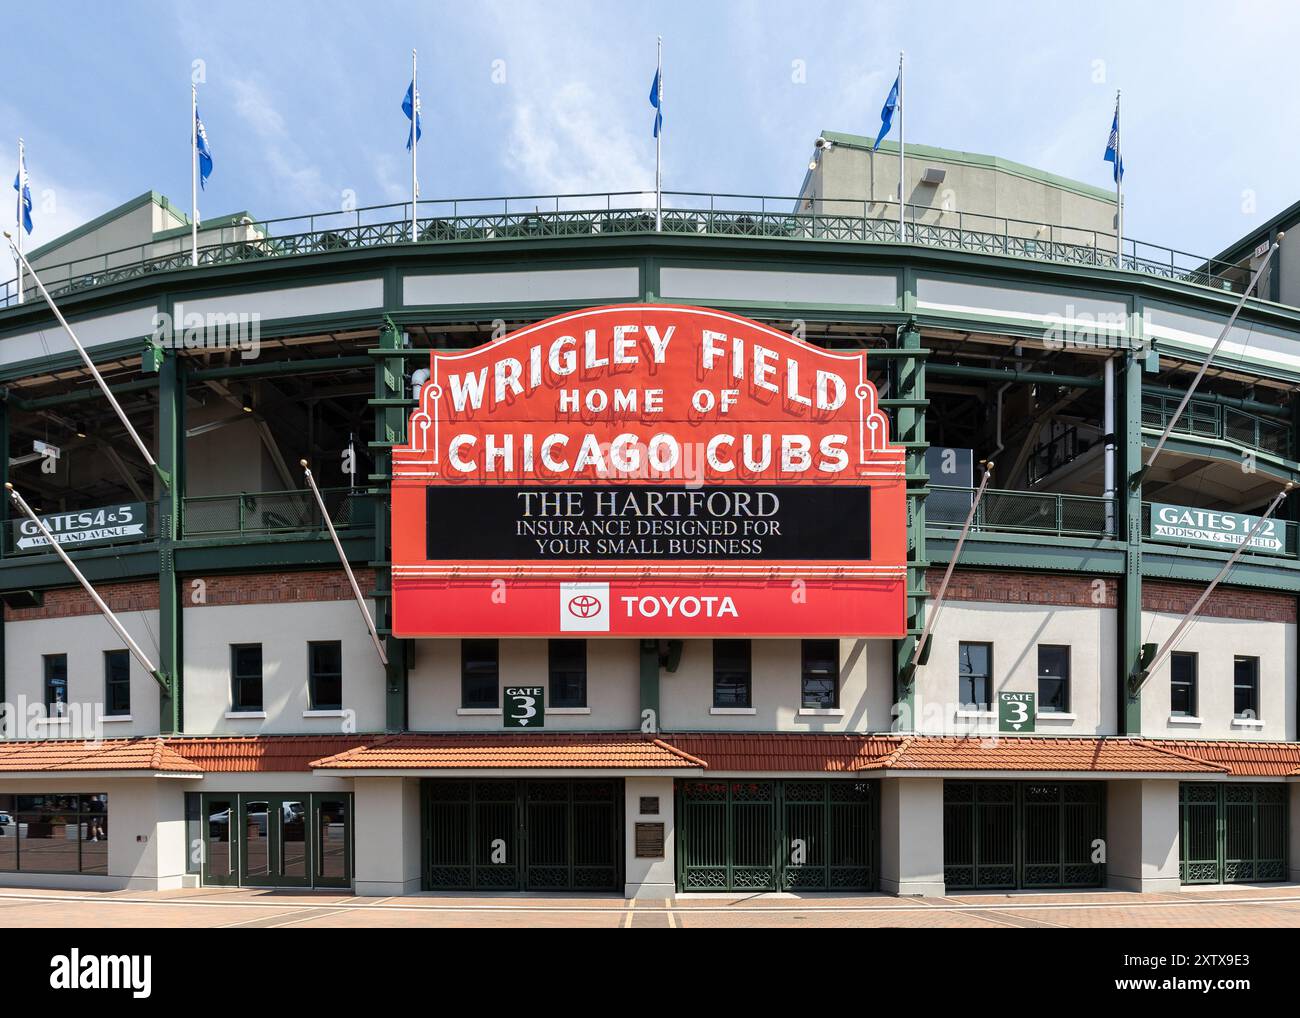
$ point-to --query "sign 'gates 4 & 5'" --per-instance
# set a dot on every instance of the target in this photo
(648, 470)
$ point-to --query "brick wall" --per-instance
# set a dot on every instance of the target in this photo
(1058, 589)
(245, 588)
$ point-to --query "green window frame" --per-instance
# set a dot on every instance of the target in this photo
(819, 679)
(480, 674)
(246, 677)
(733, 674)
(567, 672)
(975, 675)
(54, 669)
(1245, 688)
(325, 674)
(1053, 678)
(1182, 684)
(117, 683)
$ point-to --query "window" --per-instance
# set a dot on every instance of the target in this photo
(1182, 685)
(1245, 687)
(1053, 679)
(975, 675)
(56, 684)
(246, 676)
(117, 683)
(480, 670)
(731, 673)
(820, 684)
(325, 675)
(568, 669)
(62, 833)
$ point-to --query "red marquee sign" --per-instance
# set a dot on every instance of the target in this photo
(648, 470)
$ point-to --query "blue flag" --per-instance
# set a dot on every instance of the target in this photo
(887, 115)
(205, 154)
(656, 100)
(411, 107)
(22, 184)
(1112, 147)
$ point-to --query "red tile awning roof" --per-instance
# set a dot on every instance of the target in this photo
(553, 750)
(1244, 758)
(69, 756)
(242, 754)
(739, 751)
(1045, 754)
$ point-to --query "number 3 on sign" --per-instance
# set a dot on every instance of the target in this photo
(1016, 712)
(525, 707)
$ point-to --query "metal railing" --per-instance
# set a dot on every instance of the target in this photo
(626, 212)
(263, 513)
(1023, 512)
(1208, 419)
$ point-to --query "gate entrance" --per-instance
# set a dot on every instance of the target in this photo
(1232, 833)
(776, 835)
(506, 835)
(1014, 834)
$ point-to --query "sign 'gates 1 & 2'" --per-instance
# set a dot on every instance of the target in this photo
(648, 470)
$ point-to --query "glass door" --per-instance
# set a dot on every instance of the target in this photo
(273, 838)
(220, 840)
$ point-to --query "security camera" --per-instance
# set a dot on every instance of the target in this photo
(823, 143)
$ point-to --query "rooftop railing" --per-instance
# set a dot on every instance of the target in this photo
(630, 212)
(1023, 512)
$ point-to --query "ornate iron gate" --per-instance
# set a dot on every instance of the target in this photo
(503, 835)
(1008, 834)
(769, 835)
(1232, 833)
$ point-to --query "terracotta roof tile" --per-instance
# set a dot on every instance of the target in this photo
(491, 751)
(1243, 758)
(151, 755)
(746, 751)
(1027, 753)
(229, 754)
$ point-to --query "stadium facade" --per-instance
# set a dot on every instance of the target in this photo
(652, 525)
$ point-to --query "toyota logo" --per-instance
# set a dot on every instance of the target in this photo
(584, 606)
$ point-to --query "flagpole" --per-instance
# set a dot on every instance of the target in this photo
(1119, 192)
(902, 114)
(194, 174)
(415, 144)
(18, 212)
(659, 136)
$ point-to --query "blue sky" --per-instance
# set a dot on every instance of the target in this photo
(302, 100)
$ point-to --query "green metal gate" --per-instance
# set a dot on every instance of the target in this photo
(770, 835)
(1232, 833)
(503, 835)
(1022, 834)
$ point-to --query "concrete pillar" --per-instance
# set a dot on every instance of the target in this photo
(387, 836)
(1142, 835)
(911, 836)
(649, 878)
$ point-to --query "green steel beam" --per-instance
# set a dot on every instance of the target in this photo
(171, 455)
(306, 366)
(1128, 417)
(1252, 406)
(390, 428)
(1009, 375)
(650, 684)
(81, 397)
(908, 375)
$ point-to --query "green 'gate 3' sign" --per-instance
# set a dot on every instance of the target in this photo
(525, 707)
(1016, 712)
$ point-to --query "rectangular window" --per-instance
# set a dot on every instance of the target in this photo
(1182, 685)
(1245, 688)
(820, 682)
(480, 673)
(246, 677)
(117, 683)
(732, 673)
(60, 833)
(568, 672)
(325, 675)
(56, 684)
(975, 675)
(1053, 679)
